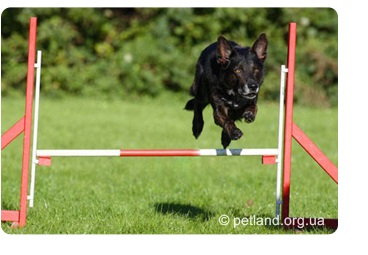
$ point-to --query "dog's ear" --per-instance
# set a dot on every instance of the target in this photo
(260, 47)
(224, 51)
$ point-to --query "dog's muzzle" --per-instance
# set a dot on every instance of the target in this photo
(249, 92)
(250, 95)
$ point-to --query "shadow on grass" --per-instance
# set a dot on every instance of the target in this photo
(189, 211)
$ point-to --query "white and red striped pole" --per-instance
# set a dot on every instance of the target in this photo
(44, 156)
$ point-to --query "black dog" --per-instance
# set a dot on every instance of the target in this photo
(228, 77)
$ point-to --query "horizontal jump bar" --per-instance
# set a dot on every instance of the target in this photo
(157, 153)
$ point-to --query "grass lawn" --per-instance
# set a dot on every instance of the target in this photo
(161, 195)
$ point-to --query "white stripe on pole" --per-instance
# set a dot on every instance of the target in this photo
(280, 145)
(35, 128)
(78, 153)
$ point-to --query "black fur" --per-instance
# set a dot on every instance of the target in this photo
(228, 77)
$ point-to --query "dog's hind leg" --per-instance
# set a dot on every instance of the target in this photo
(197, 107)
(198, 122)
(225, 139)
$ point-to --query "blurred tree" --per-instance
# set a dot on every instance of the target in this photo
(114, 52)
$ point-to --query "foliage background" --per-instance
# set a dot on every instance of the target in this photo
(119, 52)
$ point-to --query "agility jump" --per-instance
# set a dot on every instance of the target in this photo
(281, 156)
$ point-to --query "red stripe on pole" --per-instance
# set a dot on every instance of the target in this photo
(160, 153)
(12, 133)
(28, 121)
(288, 119)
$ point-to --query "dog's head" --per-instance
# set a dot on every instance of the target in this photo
(241, 69)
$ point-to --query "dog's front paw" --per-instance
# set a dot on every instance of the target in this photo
(236, 134)
(249, 116)
(226, 138)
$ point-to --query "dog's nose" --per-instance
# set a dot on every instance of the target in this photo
(253, 86)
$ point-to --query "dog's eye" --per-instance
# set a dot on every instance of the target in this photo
(237, 71)
(257, 73)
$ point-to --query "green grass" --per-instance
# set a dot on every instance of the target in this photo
(161, 195)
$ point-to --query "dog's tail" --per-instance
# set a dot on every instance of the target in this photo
(190, 105)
